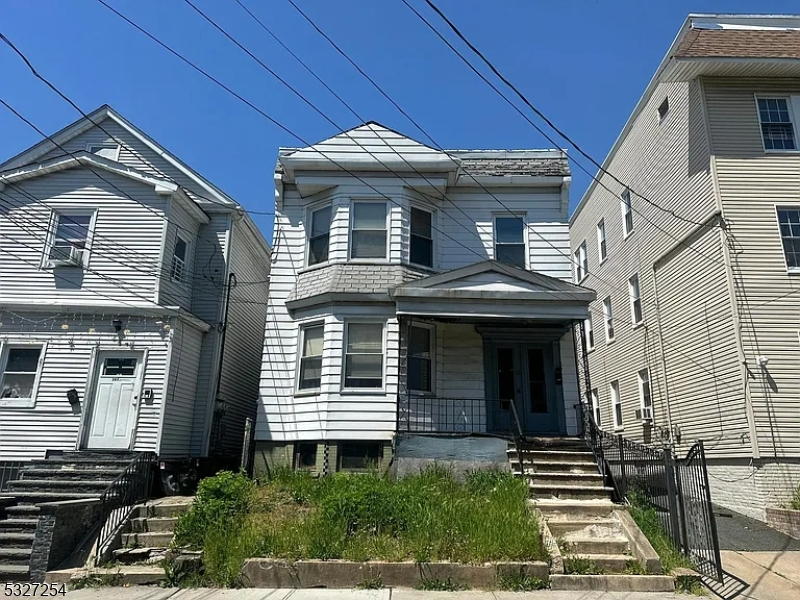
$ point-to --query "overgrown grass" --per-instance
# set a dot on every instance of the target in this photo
(518, 581)
(646, 518)
(579, 565)
(424, 517)
(795, 502)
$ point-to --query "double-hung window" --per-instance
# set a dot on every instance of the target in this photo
(636, 300)
(588, 334)
(627, 213)
(179, 259)
(616, 403)
(509, 241)
(310, 376)
(368, 239)
(363, 363)
(608, 317)
(420, 359)
(645, 396)
(71, 236)
(581, 262)
(601, 241)
(777, 129)
(319, 236)
(596, 406)
(20, 368)
(789, 221)
(421, 251)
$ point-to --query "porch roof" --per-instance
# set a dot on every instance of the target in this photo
(491, 289)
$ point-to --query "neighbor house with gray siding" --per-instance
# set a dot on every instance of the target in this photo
(122, 271)
(694, 332)
(415, 291)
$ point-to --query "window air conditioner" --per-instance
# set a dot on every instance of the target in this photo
(65, 256)
(645, 414)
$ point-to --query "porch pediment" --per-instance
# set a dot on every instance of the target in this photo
(493, 289)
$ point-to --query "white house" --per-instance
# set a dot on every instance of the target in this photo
(415, 291)
(123, 273)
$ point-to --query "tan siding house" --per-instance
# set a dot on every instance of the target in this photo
(710, 157)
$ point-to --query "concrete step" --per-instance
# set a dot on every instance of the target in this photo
(15, 556)
(66, 474)
(535, 456)
(553, 441)
(574, 492)
(176, 508)
(561, 528)
(16, 540)
(14, 573)
(612, 583)
(574, 510)
(147, 540)
(558, 466)
(126, 576)
(129, 556)
(76, 465)
(152, 524)
(56, 485)
(31, 497)
(27, 511)
(582, 545)
(17, 525)
(558, 479)
(607, 563)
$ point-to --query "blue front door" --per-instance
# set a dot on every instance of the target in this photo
(522, 374)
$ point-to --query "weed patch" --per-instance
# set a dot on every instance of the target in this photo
(634, 567)
(371, 583)
(646, 518)
(579, 565)
(96, 580)
(795, 502)
(518, 581)
(441, 585)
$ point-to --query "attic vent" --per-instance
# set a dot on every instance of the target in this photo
(663, 109)
(107, 150)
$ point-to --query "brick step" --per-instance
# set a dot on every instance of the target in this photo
(15, 556)
(559, 479)
(161, 509)
(17, 525)
(574, 510)
(583, 545)
(608, 563)
(612, 583)
(72, 474)
(16, 540)
(562, 527)
(573, 492)
(152, 524)
(147, 539)
(14, 573)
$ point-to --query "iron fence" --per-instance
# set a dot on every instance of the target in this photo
(677, 489)
(120, 497)
(9, 471)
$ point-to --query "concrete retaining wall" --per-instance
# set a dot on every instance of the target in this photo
(785, 520)
(269, 573)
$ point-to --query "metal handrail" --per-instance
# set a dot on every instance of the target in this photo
(119, 498)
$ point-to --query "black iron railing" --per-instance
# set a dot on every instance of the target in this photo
(119, 498)
(678, 490)
(9, 471)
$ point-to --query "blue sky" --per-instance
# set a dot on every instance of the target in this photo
(583, 63)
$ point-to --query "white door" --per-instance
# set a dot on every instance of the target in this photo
(115, 399)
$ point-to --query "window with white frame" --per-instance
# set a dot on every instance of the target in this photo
(581, 262)
(421, 245)
(109, 150)
(596, 406)
(311, 342)
(588, 333)
(368, 237)
(645, 397)
(616, 404)
(363, 363)
(509, 241)
(179, 259)
(601, 240)
(789, 221)
(319, 235)
(663, 109)
(608, 318)
(20, 368)
(70, 239)
(420, 358)
(777, 129)
(627, 213)
(636, 300)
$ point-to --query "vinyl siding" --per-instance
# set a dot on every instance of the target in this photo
(751, 184)
(669, 163)
(26, 433)
(460, 369)
(123, 261)
(181, 392)
(173, 292)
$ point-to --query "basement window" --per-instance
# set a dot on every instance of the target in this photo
(359, 456)
(305, 456)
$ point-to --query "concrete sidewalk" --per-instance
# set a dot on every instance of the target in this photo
(148, 593)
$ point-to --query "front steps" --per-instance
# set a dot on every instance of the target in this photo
(66, 476)
(583, 528)
(148, 534)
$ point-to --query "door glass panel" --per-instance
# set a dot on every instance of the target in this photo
(119, 367)
(537, 384)
(506, 387)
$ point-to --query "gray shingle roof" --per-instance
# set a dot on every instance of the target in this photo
(352, 279)
(546, 167)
